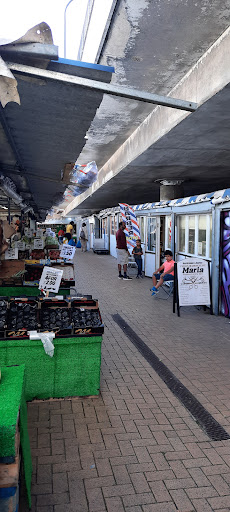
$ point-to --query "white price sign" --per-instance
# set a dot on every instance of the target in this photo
(11, 254)
(50, 280)
(20, 245)
(38, 243)
(67, 252)
(29, 232)
(193, 282)
(39, 233)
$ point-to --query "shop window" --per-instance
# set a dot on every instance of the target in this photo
(195, 235)
(181, 222)
(191, 234)
(140, 221)
(210, 241)
(104, 226)
(112, 225)
(151, 234)
(168, 235)
(202, 226)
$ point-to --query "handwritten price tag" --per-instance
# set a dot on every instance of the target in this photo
(50, 280)
(38, 243)
(11, 254)
(67, 252)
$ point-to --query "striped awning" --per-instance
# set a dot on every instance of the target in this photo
(219, 196)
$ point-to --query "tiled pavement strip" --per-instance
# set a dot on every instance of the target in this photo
(136, 448)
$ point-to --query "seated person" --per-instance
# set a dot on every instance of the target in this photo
(70, 241)
(166, 275)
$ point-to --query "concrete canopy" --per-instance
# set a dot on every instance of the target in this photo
(153, 46)
(38, 137)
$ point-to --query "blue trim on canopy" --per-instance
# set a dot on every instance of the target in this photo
(80, 64)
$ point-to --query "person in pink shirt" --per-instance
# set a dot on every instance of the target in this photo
(166, 275)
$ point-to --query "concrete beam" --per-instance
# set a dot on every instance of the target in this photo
(208, 76)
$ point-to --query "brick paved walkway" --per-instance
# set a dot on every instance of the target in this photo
(136, 448)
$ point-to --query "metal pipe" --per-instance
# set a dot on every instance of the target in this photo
(70, 1)
(114, 90)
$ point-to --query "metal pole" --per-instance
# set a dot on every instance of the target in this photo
(114, 90)
(70, 1)
(9, 210)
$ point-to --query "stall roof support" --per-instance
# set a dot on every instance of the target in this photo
(114, 90)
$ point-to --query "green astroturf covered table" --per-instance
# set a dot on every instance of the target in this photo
(74, 370)
(28, 291)
(12, 407)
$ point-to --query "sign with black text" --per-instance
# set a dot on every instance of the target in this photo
(67, 252)
(20, 246)
(193, 282)
(38, 243)
(11, 254)
(50, 280)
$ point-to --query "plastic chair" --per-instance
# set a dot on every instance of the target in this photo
(167, 287)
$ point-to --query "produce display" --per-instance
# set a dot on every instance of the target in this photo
(86, 318)
(33, 273)
(37, 254)
(64, 317)
(51, 242)
(3, 313)
(22, 315)
(54, 254)
(55, 317)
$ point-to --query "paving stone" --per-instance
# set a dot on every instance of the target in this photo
(140, 483)
(44, 474)
(60, 483)
(114, 505)
(52, 499)
(118, 490)
(95, 499)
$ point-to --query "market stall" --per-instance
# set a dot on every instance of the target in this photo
(73, 326)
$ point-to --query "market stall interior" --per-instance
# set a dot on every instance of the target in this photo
(50, 336)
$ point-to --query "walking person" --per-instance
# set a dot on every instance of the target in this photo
(70, 228)
(137, 253)
(83, 237)
(122, 252)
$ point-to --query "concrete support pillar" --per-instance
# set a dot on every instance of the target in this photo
(171, 190)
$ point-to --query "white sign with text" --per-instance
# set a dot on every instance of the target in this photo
(11, 254)
(193, 282)
(20, 246)
(38, 243)
(50, 280)
(67, 252)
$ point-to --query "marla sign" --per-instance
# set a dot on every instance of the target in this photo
(193, 282)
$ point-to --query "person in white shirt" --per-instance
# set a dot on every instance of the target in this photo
(83, 237)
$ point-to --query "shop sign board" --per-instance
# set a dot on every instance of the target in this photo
(193, 282)
(11, 254)
(38, 243)
(50, 280)
(67, 252)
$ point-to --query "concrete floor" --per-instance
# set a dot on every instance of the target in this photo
(136, 448)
